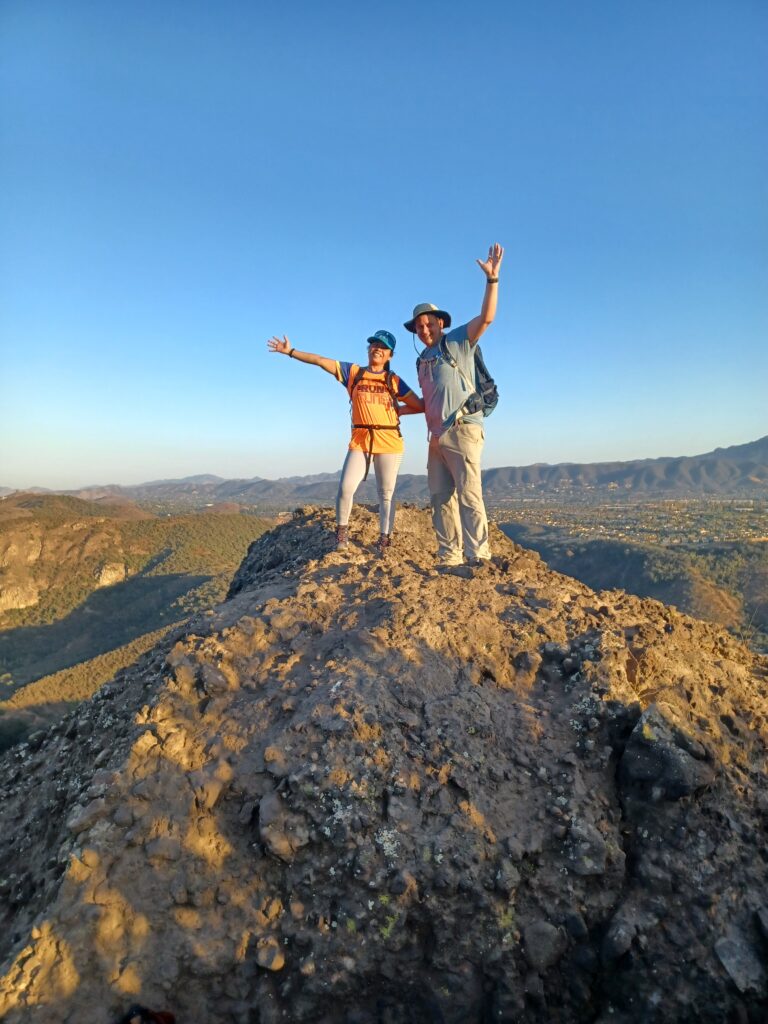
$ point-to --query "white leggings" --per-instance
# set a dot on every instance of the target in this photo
(385, 467)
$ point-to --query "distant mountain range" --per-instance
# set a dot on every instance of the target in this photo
(738, 471)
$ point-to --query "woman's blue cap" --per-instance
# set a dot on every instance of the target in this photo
(383, 338)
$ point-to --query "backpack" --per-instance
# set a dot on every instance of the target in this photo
(485, 394)
(388, 381)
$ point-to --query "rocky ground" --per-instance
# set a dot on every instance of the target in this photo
(360, 791)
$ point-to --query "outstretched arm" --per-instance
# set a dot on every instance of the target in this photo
(490, 268)
(284, 347)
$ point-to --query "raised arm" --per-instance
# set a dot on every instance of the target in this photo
(284, 347)
(490, 268)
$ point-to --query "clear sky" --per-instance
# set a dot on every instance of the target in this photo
(180, 180)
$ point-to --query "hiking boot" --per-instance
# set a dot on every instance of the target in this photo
(454, 569)
(383, 544)
(480, 565)
(342, 538)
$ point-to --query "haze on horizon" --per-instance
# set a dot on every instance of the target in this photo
(211, 477)
(179, 184)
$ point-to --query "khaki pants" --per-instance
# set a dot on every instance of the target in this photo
(453, 474)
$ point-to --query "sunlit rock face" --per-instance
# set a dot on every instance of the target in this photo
(110, 573)
(362, 791)
(24, 595)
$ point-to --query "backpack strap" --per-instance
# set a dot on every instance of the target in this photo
(356, 380)
(388, 383)
(371, 429)
(472, 385)
(389, 380)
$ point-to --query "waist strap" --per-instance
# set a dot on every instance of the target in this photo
(370, 427)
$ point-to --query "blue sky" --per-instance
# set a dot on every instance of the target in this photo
(181, 180)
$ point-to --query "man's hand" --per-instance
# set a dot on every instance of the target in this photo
(492, 265)
(490, 268)
(281, 345)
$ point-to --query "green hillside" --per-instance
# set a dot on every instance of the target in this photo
(80, 579)
(41, 702)
(722, 583)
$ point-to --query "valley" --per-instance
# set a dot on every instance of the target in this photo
(86, 587)
(707, 557)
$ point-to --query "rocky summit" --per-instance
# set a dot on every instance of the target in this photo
(361, 791)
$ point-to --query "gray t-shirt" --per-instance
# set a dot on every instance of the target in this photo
(444, 389)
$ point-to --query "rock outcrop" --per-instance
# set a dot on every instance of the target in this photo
(109, 574)
(360, 791)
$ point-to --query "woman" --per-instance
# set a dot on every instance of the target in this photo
(375, 394)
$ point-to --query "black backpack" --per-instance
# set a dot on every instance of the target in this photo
(485, 394)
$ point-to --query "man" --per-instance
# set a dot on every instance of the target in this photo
(455, 436)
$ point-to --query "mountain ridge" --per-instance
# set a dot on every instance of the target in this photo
(738, 470)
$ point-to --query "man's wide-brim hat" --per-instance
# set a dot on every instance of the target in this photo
(427, 307)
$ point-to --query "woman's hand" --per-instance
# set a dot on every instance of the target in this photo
(411, 404)
(281, 345)
(285, 348)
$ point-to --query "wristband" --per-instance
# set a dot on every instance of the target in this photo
(290, 354)
(492, 280)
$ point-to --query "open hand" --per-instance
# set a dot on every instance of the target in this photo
(281, 345)
(492, 265)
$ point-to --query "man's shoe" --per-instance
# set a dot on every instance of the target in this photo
(453, 569)
(342, 538)
(480, 565)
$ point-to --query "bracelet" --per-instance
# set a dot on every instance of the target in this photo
(290, 354)
(492, 280)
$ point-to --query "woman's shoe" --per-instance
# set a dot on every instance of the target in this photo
(342, 538)
(383, 543)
